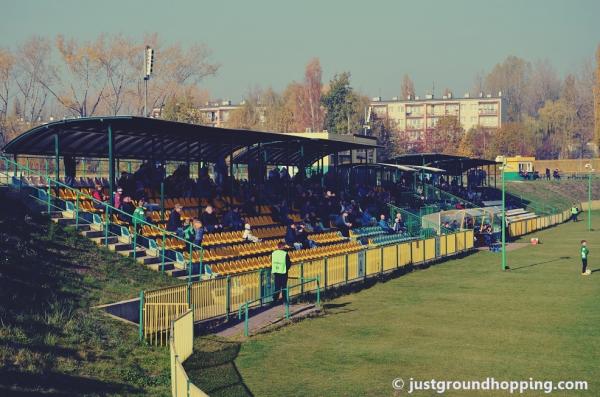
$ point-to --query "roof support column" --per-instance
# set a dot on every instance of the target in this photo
(56, 159)
(259, 179)
(231, 169)
(302, 167)
(111, 167)
(336, 161)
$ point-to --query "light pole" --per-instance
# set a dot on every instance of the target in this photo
(504, 267)
(148, 67)
(590, 170)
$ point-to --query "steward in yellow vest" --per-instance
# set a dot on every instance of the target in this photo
(280, 264)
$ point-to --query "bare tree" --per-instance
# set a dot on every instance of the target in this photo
(79, 84)
(407, 88)
(511, 78)
(7, 63)
(313, 114)
(543, 85)
(32, 67)
(117, 57)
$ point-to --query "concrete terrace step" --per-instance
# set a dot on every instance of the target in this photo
(121, 247)
(149, 260)
(157, 266)
(176, 272)
(93, 234)
(129, 253)
(102, 240)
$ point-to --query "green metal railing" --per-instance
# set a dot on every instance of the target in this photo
(286, 301)
(416, 225)
(431, 192)
(53, 203)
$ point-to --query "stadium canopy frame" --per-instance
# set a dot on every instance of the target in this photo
(141, 138)
(451, 164)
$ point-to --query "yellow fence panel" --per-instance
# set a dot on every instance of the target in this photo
(451, 244)
(183, 335)
(294, 275)
(209, 298)
(244, 287)
(469, 239)
(181, 379)
(404, 254)
(390, 257)
(443, 238)
(353, 266)
(460, 241)
(157, 319)
(336, 270)
(373, 260)
(417, 251)
(429, 249)
(314, 269)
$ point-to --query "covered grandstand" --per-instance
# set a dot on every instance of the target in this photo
(342, 222)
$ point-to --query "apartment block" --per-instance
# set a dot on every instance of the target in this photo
(416, 115)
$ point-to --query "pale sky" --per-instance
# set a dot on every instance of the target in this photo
(266, 43)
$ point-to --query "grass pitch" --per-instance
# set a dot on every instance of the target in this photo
(459, 320)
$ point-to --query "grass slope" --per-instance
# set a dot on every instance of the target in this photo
(50, 340)
(459, 320)
(560, 194)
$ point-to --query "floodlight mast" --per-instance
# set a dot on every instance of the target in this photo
(590, 171)
(148, 68)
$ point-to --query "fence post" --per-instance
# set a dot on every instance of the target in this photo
(162, 261)
(346, 269)
(189, 294)
(107, 223)
(134, 241)
(381, 260)
(302, 278)
(228, 298)
(287, 304)
(48, 191)
(325, 273)
(246, 320)
(318, 293)
(141, 328)
(191, 263)
(76, 210)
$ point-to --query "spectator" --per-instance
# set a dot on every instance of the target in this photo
(117, 197)
(174, 224)
(290, 236)
(128, 209)
(210, 221)
(195, 232)
(343, 224)
(138, 218)
(232, 219)
(99, 197)
(399, 226)
(248, 236)
(384, 225)
(302, 238)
